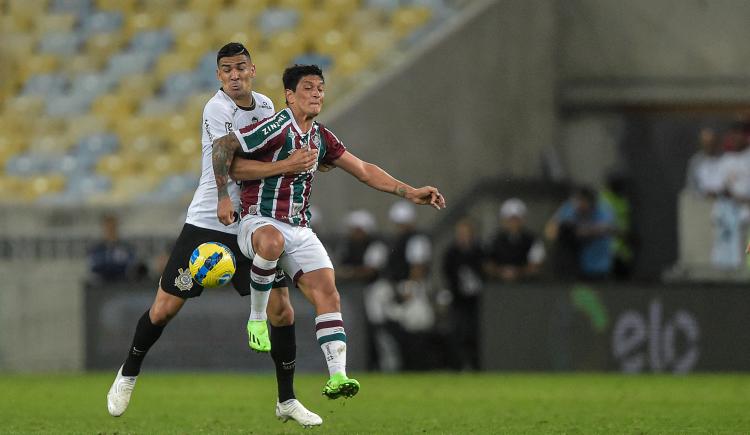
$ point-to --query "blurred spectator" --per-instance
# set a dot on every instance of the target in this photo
(112, 260)
(408, 309)
(704, 175)
(617, 195)
(582, 229)
(515, 252)
(411, 250)
(362, 255)
(462, 267)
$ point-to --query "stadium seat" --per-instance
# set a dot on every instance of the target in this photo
(61, 43)
(332, 43)
(157, 106)
(63, 23)
(83, 63)
(91, 85)
(185, 22)
(138, 86)
(97, 145)
(67, 105)
(77, 7)
(341, 8)
(315, 23)
(205, 7)
(302, 6)
(113, 107)
(349, 63)
(125, 6)
(26, 9)
(274, 20)
(127, 63)
(385, 5)
(195, 44)
(104, 45)
(285, 45)
(87, 125)
(152, 42)
(407, 20)
(172, 63)
(45, 84)
(143, 22)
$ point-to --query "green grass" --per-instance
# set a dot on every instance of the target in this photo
(396, 404)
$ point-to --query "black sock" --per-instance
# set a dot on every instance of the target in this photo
(284, 354)
(146, 334)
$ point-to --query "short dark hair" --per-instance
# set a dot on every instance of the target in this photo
(231, 49)
(294, 74)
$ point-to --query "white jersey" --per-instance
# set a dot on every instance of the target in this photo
(221, 116)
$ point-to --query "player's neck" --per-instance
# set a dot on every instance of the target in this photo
(304, 122)
(245, 101)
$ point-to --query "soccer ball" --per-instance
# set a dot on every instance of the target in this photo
(212, 264)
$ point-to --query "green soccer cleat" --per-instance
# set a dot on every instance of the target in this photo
(340, 386)
(257, 336)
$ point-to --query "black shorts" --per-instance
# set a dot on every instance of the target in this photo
(176, 279)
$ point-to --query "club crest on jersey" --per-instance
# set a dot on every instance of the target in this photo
(228, 126)
(253, 209)
(316, 139)
(184, 281)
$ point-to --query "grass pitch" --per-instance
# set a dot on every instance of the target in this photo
(187, 403)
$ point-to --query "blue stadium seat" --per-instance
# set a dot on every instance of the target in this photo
(158, 106)
(132, 62)
(96, 145)
(173, 187)
(91, 84)
(387, 5)
(45, 84)
(273, 20)
(61, 43)
(179, 85)
(101, 22)
(24, 165)
(152, 41)
(78, 7)
(68, 105)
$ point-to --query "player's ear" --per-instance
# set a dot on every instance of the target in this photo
(218, 77)
(289, 96)
(252, 70)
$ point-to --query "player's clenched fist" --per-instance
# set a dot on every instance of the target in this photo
(225, 211)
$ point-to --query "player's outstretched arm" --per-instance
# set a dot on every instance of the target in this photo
(222, 156)
(299, 161)
(377, 178)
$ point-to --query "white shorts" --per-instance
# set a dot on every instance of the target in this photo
(303, 251)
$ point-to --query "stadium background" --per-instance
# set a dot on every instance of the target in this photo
(100, 102)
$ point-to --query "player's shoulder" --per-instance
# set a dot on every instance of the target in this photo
(327, 133)
(219, 103)
(267, 126)
(263, 102)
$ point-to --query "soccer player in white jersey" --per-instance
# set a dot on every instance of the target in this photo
(275, 211)
(233, 105)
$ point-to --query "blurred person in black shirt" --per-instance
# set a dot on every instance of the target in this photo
(515, 253)
(462, 268)
(111, 259)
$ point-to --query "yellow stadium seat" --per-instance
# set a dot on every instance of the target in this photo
(207, 7)
(134, 126)
(28, 106)
(195, 43)
(46, 143)
(251, 38)
(37, 64)
(144, 21)
(349, 63)
(285, 45)
(126, 187)
(408, 19)
(54, 23)
(104, 45)
(86, 125)
(267, 64)
(232, 20)
(166, 6)
(124, 6)
(138, 86)
(185, 22)
(340, 8)
(315, 23)
(332, 42)
(364, 20)
(11, 24)
(48, 125)
(300, 5)
(174, 62)
(257, 5)
(27, 8)
(82, 63)
(372, 44)
(18, 45)
(113, 107)
(34, 187)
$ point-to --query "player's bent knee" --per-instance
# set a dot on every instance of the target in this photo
(268, 242)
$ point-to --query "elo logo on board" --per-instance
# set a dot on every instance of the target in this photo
(651, 343)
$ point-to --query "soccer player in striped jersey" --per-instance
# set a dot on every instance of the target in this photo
(275, 212)
(235, 104)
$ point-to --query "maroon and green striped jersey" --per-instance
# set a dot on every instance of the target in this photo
(284, 197)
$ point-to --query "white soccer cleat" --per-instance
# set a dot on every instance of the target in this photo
(118, 397)
(293, 409)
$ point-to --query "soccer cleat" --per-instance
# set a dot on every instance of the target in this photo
(257, 336)
(118, 397)
(339, 385)
(294, 410)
